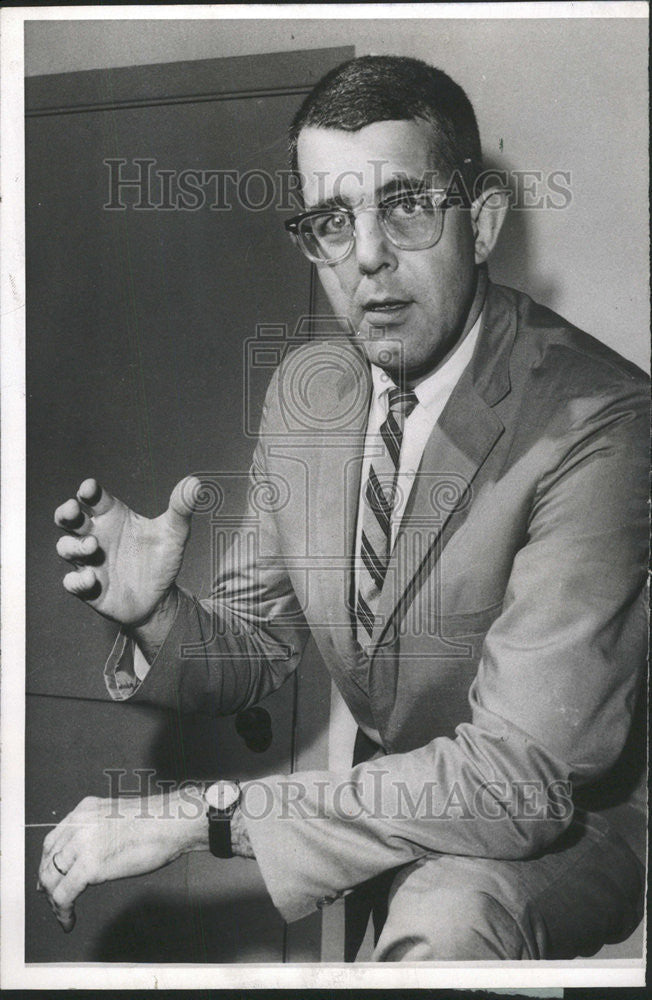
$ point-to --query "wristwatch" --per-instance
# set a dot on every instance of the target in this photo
(221, 798)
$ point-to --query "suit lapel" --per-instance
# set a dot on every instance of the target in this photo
(456, 449)
(460, 442)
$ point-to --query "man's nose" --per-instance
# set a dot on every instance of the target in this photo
(372, 248)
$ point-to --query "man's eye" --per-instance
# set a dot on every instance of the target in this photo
(410, 205)
(331, 225)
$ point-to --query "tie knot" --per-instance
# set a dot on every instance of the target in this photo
(402, 401)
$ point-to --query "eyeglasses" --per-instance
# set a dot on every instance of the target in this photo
(411, 220)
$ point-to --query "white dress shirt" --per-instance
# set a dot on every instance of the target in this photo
(432, 394)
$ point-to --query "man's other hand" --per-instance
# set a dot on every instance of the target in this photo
(124, 564)
(105, 839)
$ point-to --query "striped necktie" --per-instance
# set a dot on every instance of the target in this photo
(378, 501)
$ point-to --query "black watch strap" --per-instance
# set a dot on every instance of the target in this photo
(219, 827)
(219, 834)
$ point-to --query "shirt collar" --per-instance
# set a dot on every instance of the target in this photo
(428, 391)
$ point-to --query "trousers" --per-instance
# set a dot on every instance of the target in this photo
(586, 891)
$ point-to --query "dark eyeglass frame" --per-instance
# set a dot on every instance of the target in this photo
(292, 225)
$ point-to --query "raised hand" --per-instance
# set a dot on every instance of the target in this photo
(125, 565)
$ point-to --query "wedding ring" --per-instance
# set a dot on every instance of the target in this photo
(54, 862)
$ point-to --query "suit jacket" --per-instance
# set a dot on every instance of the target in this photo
(510, 639)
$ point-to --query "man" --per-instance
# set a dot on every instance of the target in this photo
(460, 522)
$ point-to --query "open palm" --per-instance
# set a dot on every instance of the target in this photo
(124, 564)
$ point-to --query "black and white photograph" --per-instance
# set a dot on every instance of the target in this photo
(325, 457)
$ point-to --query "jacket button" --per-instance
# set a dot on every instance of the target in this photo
(324, 901)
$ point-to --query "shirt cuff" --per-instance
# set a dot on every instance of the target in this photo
(141, 666)
(122, 672)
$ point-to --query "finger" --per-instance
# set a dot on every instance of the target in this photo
(55, 840)
(63, 899)
(82, 583)
(64, 858)
(61, 846)
(59, 841)
(55, 868)
(64, 914)
(184, 501)
(67, 918)
(71, 517)
(49, 875)
(95, 497)
(74, 549)
(52, 872)
(51, 839)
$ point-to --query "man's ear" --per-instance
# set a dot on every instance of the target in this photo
(488, 213)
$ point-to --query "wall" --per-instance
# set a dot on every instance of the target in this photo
(141, 388)
(566, 94)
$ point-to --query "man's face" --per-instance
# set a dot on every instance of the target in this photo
(412, 303)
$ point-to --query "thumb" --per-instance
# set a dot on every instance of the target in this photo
(184, 500)
(67, 919)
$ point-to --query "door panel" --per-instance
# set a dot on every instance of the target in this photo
(138, 370)
(140, 325)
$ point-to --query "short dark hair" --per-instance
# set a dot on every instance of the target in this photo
(395, 88)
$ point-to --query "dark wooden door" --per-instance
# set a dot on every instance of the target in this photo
(142, 326)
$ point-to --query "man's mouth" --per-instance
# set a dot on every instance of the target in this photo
(384, 306)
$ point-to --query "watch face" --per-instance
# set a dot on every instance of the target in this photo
(221, 795)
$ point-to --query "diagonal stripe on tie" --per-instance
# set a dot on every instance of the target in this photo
(377, 505)
(377, 501)
(372, 562)
(391, 435)
(365, 615)
(402, 399)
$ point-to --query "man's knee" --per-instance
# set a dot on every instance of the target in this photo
(426, 923)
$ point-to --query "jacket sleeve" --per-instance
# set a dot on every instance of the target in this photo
(552, 701)
(234, 648)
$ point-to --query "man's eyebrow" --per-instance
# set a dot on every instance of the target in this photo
(395, 185)
(399, 185)
(329, 204)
